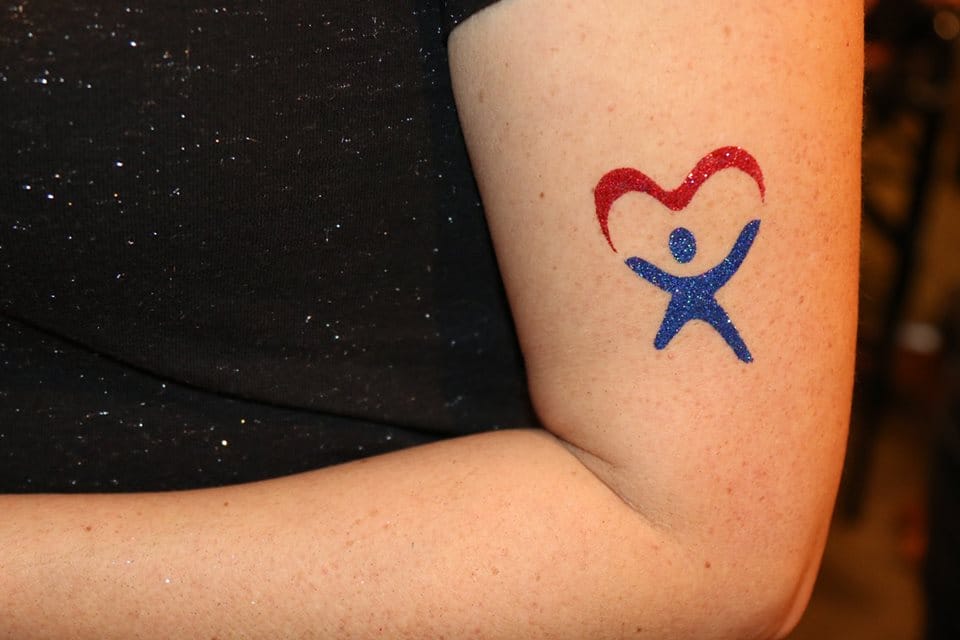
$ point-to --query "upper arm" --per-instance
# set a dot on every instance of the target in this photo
(552, 97)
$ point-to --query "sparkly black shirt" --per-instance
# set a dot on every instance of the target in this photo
(238, 241)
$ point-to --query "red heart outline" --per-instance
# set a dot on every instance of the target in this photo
(618, 182)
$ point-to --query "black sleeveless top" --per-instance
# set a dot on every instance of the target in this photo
(238, 242)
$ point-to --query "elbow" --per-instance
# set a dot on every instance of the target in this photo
(765, 591)
(796, 582)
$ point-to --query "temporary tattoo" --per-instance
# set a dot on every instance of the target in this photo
(621, 181)
(692, 297)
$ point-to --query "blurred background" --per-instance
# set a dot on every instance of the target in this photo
(892, 564)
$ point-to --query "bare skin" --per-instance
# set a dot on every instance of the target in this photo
(678, 493)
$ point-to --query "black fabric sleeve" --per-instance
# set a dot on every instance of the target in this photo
(460, 10)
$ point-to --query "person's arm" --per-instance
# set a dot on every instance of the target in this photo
(680, 493)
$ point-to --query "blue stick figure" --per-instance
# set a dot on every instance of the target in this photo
(693, 296)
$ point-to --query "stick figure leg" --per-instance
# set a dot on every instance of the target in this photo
(673, 321)
(720, 321)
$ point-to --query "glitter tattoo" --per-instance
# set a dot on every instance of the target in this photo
(692, 297)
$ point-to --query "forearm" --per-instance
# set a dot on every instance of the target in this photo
(501, 535)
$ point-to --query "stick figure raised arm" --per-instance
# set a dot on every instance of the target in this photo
(720, 274)
(653, 274)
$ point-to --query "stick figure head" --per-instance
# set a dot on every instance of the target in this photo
(683, 245)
